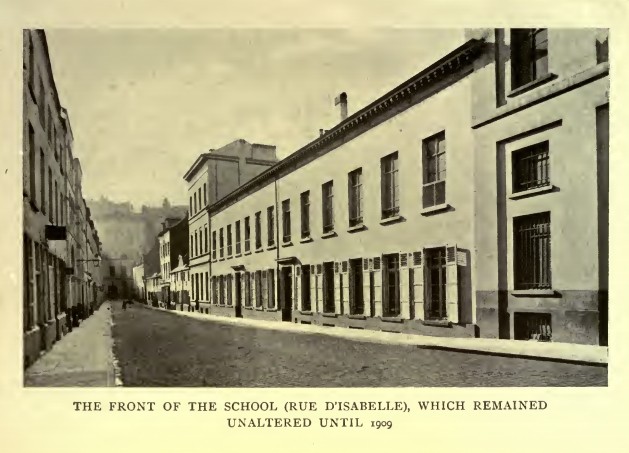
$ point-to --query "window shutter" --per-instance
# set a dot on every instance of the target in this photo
(417, 286)
(452, 285)
(313, 289)
(345, 288)
(377, 284)
(242, 287)
(319, 282)
(271, 288)
(405, 286)
(365, 264)
(254, 293)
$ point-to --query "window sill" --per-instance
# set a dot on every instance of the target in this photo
(305, 240)
(329, 234)
(247, 253)
(394, 219)
(435, 209)
(363, 317)
(248, 308)
(259, 309)
(221, 259)
(307, 313)
(287, 244)
(237, 255)
(272, 309)
(532, 192)
(329, 315)
(259, 250)
(437, 322)
(534, 84)
(534, 293)
(271, 247)
(391, 319)
(356, 228)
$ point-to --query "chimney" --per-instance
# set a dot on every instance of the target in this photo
(342, 100)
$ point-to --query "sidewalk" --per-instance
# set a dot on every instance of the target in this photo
(564, 352)
(83, 358)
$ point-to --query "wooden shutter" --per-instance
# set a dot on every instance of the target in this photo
(377, 284)
(416, 271)
(264, 289)
(270, 283)
(405, 285)
(452, 285)
(254, 293)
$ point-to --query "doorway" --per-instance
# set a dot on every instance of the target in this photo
(287, 293)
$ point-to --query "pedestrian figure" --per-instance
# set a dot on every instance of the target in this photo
(124, 304)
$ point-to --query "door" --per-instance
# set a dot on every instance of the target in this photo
(237, 288)
(436, 284)
(287, 293)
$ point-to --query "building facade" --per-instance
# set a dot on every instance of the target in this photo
(210, 178)
(429, 210)
(540, 115)
(139, 290)
(61, 245)
(117, 275)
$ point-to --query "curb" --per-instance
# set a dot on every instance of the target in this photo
(555, 352)
(114, 361)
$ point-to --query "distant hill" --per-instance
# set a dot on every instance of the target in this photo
(122, 230)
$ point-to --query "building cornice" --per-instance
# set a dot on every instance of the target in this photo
(420, 82)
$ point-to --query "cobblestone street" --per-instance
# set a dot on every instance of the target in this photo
(156, 348)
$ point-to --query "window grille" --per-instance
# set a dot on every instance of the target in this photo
(531, 167)
(532, 259)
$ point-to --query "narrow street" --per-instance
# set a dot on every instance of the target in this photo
(157, 348)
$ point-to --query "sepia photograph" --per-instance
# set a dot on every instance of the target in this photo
(315, 207)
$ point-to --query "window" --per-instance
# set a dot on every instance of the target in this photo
(42, 100)
(191, 245)
(356, 305)
(195, 203)
(436, 283)
(258, 289)
(196, 244)
(31, 65)
(214, 291)
(286, 221)
(434, 164)
(206, 241)
(327, 197)
(57, 203)
(305, 214)
(258, 230)
(213, 245)
(247, 283)
(42, 180)
(204, 194)
(529, 55)
(31, 162)
(391, 284)
(191, 212)
(306, 304)
(532, 251)
(112, 271)
(271, 226)
(229, 240)
(390, 186)
(328, 288)
(238, 237)
(247, 235)
(50, 194)
(221, 243)
(355, 187)
(531, 167)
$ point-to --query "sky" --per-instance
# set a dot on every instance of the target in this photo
(143, 104)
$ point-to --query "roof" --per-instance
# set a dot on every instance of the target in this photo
(443, 67)
(196, 165)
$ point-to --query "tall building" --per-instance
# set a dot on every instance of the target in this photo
(210, 178)
(471, 201)
(61, 246)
